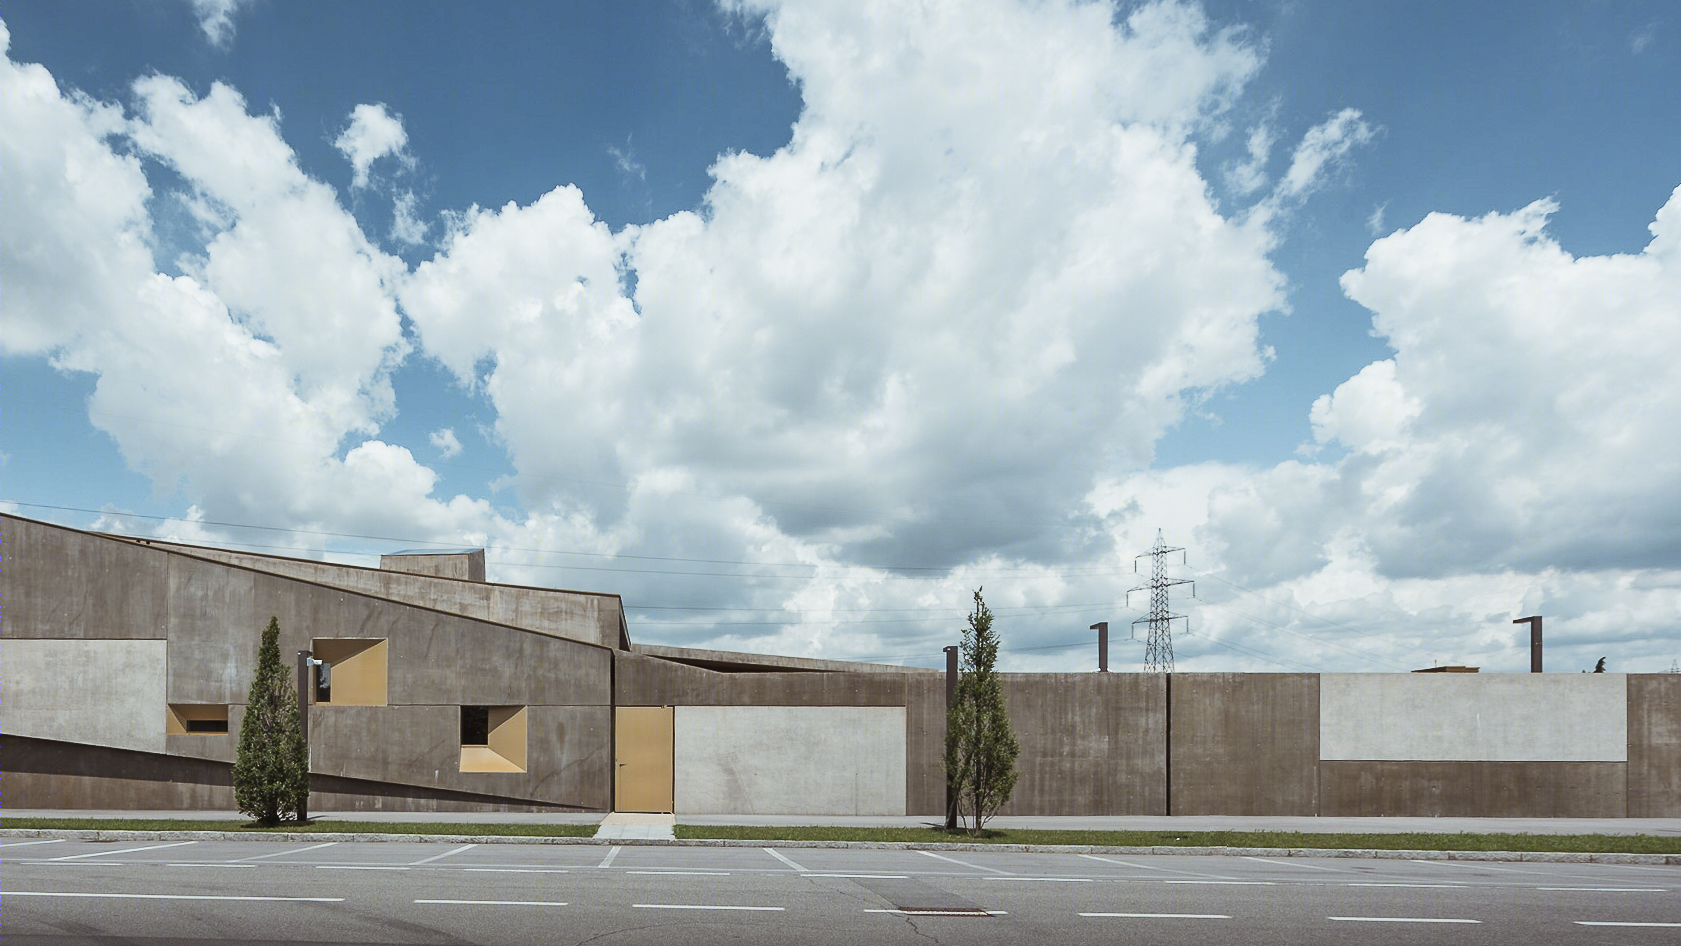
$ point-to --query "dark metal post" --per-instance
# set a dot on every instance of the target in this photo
(1102, 629)
(1534, 622)
(303, 725)
(951, 699)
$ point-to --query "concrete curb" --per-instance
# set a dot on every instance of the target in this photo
(1557, 857)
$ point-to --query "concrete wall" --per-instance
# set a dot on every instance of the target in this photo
(468, 566)
(101, 692)
(1091, 743)
(577, 615)
(1473, 789)
(1654, 745)
(1462, 717)
(825, 760)
(1243, 744)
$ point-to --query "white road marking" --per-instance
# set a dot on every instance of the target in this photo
(297, 850)
(1226, 883)
(608, 860)
(1610, 889)
(1615, 923)
(1268, 860)
(1047, 880)
(1413, 886)
(499, 903)
(943, 912)
(12, 844)
(697, 906)
(439, 857)
(1110, 860)
(864, 876)
(1477, 865)
(1166, 916)
(219, 866)
(354, 867)
(681, 873)
(513, 870)
(953, 860)
(167, 896)
(784, 859)
(126, 850)
(1398, 919)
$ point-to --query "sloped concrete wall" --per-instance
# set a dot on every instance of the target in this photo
(101, 692)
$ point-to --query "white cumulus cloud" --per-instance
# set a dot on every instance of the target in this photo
(373, 133)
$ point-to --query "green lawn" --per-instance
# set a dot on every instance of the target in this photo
(1580, 843)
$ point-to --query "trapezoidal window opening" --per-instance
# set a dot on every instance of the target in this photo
(352, 671)
(197, 719)
(493, 738)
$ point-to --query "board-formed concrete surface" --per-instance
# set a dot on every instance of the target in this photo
(100, 692)
(1451, 717)
(1244, 743)
(1091, 743)
(847, 760)
(1654, 745)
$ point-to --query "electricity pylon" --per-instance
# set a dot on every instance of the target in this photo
(1158, 648)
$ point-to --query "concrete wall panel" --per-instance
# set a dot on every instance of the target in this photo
(1473, 789)
(1091, 743)
(1461, 717)
(1244, 743)
(213, 633)
(1654, 745)
(103, 692)
(925, 745)
(60, 583)
(832, 760)
(568, 759)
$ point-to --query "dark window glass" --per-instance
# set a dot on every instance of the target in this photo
(324, 682)
(475, 725)
(207, 725)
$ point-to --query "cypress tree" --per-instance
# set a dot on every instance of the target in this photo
(271, 778)
(981, 748)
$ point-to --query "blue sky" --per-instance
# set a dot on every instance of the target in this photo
(792, 322)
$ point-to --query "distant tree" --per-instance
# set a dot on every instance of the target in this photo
(271, 777)
(981, 749)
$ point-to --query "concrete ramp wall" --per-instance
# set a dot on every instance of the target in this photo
(786, 760)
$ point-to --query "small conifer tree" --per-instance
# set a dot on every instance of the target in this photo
(981, 749)
(271, 777)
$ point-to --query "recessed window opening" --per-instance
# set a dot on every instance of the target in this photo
(352, 671)
(197, 719)
(493, 738)
(323, 682)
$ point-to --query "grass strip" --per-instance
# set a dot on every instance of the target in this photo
(1567, 843)
(313, 827)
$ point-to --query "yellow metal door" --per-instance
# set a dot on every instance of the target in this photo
(642, 740)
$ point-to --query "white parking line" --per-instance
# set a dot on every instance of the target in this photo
(863, 876)
(681, 873)
(126, 850)
(219, 866)
(942, 912)
(355, 867)
(698, 906)
(1610, 889)
(1397, 919)
(513, 870)
(1412, 886)
(953, 860)
(439, 857)
(1477, 865)
(167, 896)
(1111, 860)
(784, 859)
(296, 850)
(608, 860)
(1166, 916)
(1614, 923)
(498, 903)
(1268, 860)
(11, 844)
(1044, 880)
(1226, 883)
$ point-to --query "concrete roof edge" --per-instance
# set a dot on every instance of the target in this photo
(770, 660)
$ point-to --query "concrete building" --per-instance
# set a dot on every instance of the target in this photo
(125, 662)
